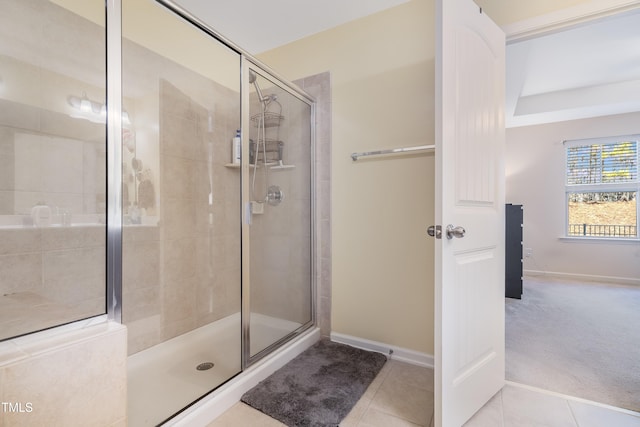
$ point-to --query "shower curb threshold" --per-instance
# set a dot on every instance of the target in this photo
(208, 409)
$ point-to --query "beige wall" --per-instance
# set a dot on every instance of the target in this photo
(535, 178)
(382, 73)
(146, 17)
(383, 96)
(141, 20)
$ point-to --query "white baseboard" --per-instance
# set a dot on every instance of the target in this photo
(396, 353)
(585, 277)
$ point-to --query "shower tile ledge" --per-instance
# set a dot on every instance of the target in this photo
(80, 363)
(21, 348)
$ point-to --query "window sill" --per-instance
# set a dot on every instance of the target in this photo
(601, 240)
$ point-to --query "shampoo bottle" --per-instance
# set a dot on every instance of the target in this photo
(236, 145)
(41, 215)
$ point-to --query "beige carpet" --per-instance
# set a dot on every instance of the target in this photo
(579, 339)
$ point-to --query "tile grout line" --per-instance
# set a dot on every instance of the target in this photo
(398, 417)
(364, 411)
(374, 393)
(377, 389)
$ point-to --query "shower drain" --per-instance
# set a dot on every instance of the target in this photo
(205, 366)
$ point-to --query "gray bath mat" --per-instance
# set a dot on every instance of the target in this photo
(319, 387)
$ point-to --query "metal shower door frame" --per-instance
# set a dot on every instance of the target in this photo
(247, 62)
(114, 160)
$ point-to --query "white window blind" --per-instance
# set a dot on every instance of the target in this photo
(602, 163)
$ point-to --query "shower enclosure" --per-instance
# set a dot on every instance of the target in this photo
(217, 250)
(206, 257)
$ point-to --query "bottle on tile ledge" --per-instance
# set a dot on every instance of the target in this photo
(41, 215)
(236, 145)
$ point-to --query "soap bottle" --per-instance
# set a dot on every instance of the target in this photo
(41, 215)
(134, 214)
(236, 146)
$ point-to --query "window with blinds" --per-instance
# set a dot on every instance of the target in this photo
(602, 187)
(602, 163)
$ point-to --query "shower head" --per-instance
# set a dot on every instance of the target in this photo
(253, 79)
(252, 76)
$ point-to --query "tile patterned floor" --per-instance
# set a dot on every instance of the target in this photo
(402, 396)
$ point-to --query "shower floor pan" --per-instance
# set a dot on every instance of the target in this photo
(165, 378)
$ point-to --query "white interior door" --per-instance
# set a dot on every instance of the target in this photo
(469, 347)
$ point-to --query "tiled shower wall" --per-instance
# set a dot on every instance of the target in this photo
(319, 86)
(281, 236)
(50, 276)
(201, 240)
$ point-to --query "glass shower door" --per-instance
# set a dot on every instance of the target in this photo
(181, 211)
(53, 173)
(278, 201)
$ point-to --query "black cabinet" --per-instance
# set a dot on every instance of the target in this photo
(513, 250)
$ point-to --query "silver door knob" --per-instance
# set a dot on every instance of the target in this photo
(455, 232)
(435, 231)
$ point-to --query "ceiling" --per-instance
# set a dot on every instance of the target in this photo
(257, 26)
(587, 71)
(591, 70)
